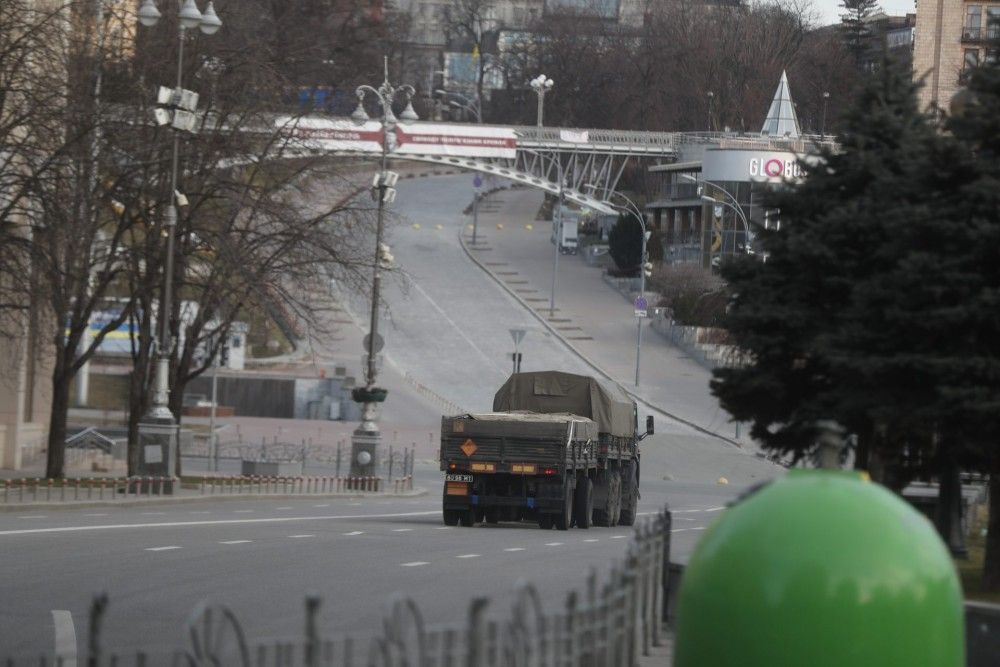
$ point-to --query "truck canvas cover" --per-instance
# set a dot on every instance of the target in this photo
(554, 391)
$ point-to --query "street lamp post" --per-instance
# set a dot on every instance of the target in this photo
(367, 437)
(541, 84)
(822, 123)
(158, 429)
(711, 100)
(631, 207)
(731, 202)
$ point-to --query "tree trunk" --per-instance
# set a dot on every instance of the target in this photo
(55, 462)
(949, 507)
(991, 563)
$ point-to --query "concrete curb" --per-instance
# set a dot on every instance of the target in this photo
(187, 500)
(600, 371)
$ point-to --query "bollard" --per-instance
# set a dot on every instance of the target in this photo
(62, 490)
(100, 495)
(48, 490)
(391, 456)
(6, 491)
(159, 486)
(338, 460)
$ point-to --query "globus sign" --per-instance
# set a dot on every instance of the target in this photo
(773, 168)
(743, 165)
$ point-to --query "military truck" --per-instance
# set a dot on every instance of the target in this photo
(558, 448)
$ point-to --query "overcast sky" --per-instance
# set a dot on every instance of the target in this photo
(830, 10)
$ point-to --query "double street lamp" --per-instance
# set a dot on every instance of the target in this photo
(629, 206)
(730, 201)
(158, 428)
(541, 84)
(367, 438)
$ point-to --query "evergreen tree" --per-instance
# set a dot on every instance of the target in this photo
(976, 121)
(802, 314)
(854, 24)
(625, 243)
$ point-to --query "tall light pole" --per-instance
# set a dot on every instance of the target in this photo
(630, 206)
(541, 84)
(366, 438)
(822, 123)
(711, 100)
(158, 428)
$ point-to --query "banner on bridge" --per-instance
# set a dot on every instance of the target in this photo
(458, 140)
(333, 134)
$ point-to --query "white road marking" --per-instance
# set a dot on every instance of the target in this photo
(214, 522)
(416, 563)
(162, 548)
(442, 527)
(65, 637)
(33, 516)
(591, 540)
(242, 511)
(235, 541)
(152, 513)
(97, 514)
(295, 537)
(283, 508)
(715, 509)
(355, 532)
(514, 549)
(468, 556)
(454, 327)
(618, 537)
(328, 504)
(553, 544)
(200, 512)
(684, 518)
(401, 530)
(681, 530)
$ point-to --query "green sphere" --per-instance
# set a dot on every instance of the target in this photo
(820, 569)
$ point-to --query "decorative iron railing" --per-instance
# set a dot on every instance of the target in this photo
(617, 617)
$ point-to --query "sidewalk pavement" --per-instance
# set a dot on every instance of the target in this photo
(590, 315)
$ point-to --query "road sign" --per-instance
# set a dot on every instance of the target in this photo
(477, 181)
(641, 303)
(517, 335)
(379, 342)
(641, 313)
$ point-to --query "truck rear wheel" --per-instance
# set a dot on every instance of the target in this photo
(583, 503)
(629, 497)
(565, 517)
(545, 521)
(608, 515)
(467, 518)
(451, 517)
(492, 515)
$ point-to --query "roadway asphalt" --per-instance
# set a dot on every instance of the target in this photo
(448, 329)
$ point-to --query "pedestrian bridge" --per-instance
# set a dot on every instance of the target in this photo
(590, 161)
(585, 165)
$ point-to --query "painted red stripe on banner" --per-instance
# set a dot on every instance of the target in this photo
(327, 133)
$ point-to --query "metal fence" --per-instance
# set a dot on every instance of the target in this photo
(617, 617)
(37, 490)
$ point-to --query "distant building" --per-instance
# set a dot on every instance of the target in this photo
(952, 37)
(707, 202)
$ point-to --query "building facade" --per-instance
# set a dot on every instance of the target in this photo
(952, 37)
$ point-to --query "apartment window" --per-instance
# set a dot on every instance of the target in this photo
(971, 59)
(992, 56)
(520, 16)
(993, 23)
(973, 23)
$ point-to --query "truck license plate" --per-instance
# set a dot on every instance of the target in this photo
(458, 478)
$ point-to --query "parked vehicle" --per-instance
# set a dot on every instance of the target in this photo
(569, 238)
(559, 449)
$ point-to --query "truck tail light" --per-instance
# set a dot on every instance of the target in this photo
(549, 471)
(457, 489)
(523, 468)
(452, 466)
